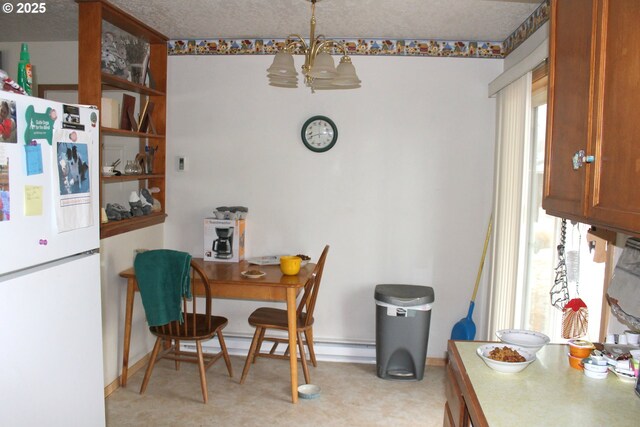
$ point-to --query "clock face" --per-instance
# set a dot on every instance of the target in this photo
(319, 134)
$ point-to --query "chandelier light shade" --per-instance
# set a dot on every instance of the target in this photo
(319, 70)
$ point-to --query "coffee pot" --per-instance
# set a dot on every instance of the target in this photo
(223, 246)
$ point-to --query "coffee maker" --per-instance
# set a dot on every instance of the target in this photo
(222, 246)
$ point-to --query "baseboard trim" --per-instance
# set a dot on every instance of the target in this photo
(113, 386)
(326, 351)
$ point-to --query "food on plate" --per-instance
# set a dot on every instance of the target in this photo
(506, 354)
(304, 257)
(253, 272)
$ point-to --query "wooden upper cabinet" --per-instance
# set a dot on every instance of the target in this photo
(594, 97)
(570, 53)
(615, 197)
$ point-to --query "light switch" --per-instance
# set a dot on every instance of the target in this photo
(182, 163)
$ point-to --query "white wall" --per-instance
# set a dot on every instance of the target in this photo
(116, 255)
(403, 197)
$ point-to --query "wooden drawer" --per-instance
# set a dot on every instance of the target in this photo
(455, 403)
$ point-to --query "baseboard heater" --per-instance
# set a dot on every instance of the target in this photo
(329, 351)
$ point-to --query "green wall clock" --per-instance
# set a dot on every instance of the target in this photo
(319, 134)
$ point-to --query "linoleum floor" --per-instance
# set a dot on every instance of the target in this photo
(351, 395)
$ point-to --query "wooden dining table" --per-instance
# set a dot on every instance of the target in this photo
(227, 281)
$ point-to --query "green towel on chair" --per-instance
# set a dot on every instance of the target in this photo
(163, 278)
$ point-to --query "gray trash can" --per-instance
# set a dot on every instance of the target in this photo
(403, 314)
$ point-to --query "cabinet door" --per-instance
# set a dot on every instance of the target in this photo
(448, 418)
(570, 81)
(615, 194)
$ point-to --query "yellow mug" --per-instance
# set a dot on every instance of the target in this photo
(290, 265)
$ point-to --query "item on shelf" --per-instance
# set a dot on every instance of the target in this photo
(136, 204)
(127, 120)
(109, 113)
(25, 77)
(144, 203)
(141, 161)
(150, 153)
(147, 198)
(145, 116)
(146, 195)
(145, 69)
(117, 212)
(132, 168)
(123, 54)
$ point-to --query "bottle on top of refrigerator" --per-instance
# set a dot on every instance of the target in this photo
(25, 76)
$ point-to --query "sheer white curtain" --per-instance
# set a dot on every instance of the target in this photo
(513, 144)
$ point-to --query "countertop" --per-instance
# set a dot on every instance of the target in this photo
(549, 392)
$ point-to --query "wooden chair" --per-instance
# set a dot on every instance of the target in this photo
(274, 318)
(196, 327)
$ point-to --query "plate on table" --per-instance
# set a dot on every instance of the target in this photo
(265, 260)
(253, 274)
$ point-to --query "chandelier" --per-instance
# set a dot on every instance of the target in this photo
(319, 70)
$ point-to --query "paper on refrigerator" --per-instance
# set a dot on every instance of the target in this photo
(72, 194)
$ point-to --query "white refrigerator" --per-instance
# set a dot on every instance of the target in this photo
(51, 367)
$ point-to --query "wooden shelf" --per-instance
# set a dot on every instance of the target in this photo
(111, 82)
(93, 82)
(123, 178)
(128, 133)
(113, 228)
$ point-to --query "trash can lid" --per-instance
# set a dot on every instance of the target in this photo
(404, 295)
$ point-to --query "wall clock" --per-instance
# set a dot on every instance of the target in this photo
(319, 134)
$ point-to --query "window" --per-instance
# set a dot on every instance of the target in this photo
(542, 236)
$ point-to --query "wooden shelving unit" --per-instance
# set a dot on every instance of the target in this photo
(92, 82)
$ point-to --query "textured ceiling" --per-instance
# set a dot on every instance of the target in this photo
(482, 20)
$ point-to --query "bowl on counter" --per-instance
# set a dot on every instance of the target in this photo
(506, 367)
(575, 362)
(596, 375)
(598, 368)
(531, 340)
(580, 348)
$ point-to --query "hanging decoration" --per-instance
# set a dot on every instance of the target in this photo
(560, 291)
(575, 315)
(575, 319)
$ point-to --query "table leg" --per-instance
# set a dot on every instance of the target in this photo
(293, 357)
(131, 287)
